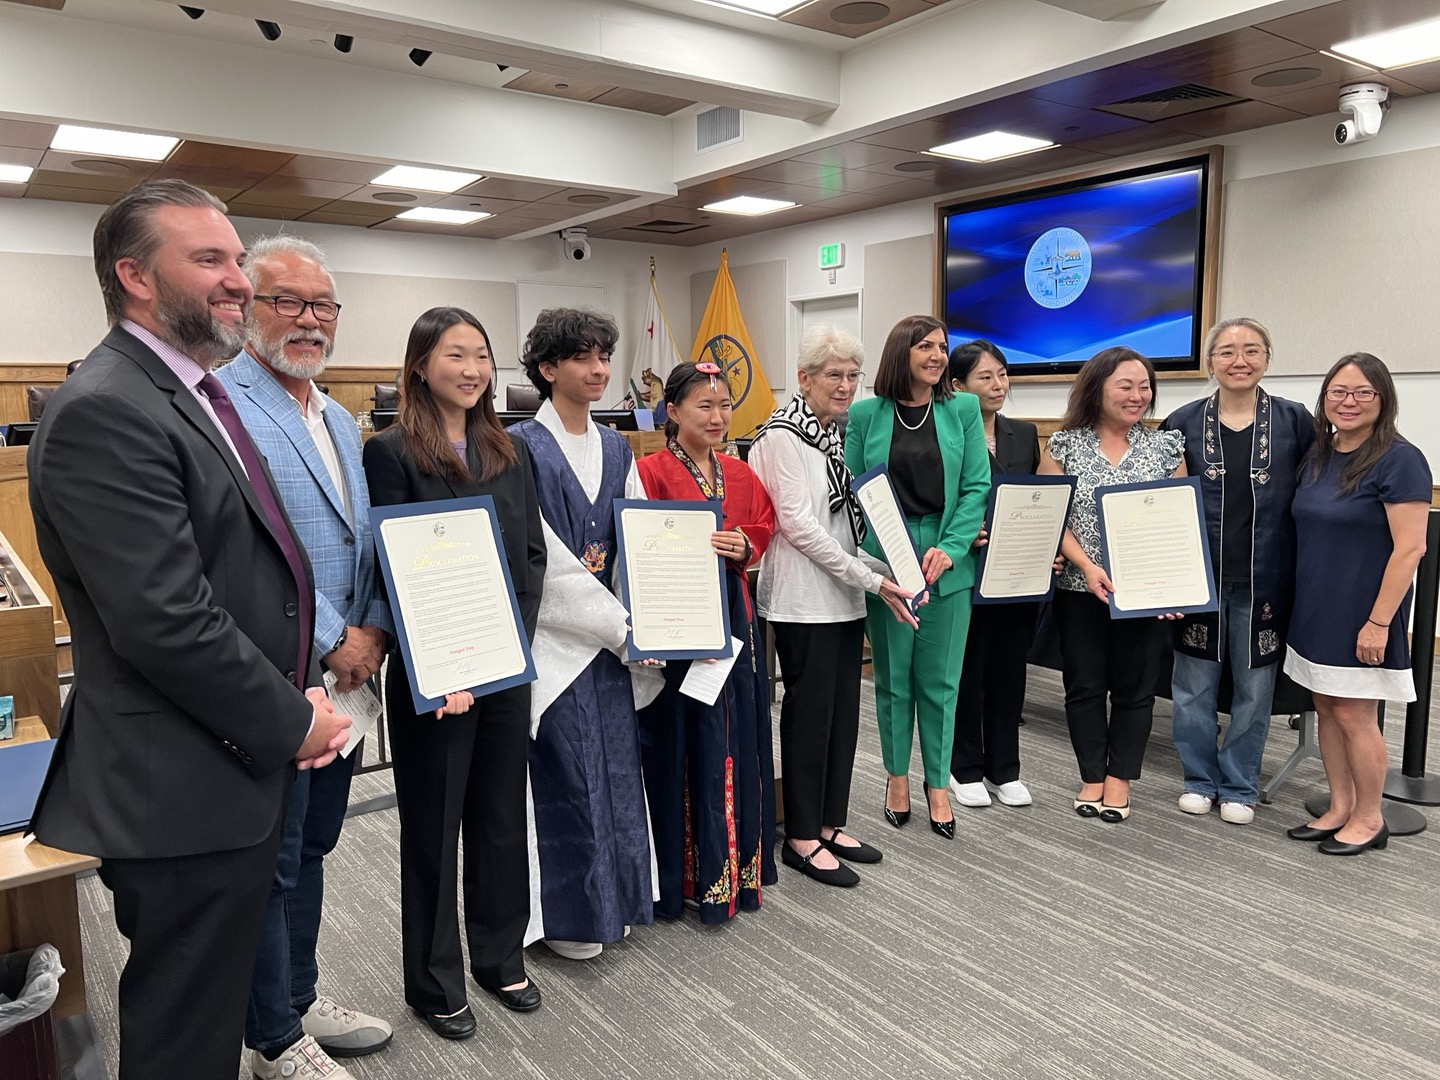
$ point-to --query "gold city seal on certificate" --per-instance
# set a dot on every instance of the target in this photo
(1026, 521)
(671, 580)
(454, 606)
(1156, 553)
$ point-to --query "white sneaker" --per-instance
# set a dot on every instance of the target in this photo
(969, 794)
(1237, 813)
(345, 1032)
(1192, 802)
(1010, 793)
(303, 1061)
(575, 950)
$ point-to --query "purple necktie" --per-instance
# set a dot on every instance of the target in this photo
(225, 412)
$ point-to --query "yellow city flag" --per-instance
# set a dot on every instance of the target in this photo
(723, 340)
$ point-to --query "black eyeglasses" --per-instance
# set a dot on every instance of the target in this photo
(292, 307)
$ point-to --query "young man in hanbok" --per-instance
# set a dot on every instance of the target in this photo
(597, 875)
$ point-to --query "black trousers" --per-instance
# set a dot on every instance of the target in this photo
(193, 923)
(1118, 658)
(454, 776)
(819, 720)
(992, 693)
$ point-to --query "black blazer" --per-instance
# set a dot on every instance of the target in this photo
(395, 478)
(1017, 447)
(180, 732)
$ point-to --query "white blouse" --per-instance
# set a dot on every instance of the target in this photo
(811, 573)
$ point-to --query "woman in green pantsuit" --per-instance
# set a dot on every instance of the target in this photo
(932, 441)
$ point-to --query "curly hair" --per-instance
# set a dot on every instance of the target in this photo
(560, 333)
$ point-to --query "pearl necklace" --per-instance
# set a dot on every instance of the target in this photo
(914, 427)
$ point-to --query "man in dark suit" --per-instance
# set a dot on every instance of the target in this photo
(191, 609)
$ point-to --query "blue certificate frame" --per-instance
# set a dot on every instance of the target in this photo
(856, 483)
(1193, 484)
(689, 506)
(381, 514)
(1022, 480)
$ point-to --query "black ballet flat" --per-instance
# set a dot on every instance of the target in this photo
(526, 999)
(895, 817)
(1113, 815)
(862, 853)
(841, 876)
(459, 1026)
(1336, 847)
(1309, 834)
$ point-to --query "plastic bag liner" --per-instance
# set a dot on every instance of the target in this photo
(25, 996)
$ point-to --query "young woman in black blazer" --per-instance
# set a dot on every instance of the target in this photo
(463, 767)
(986, 754)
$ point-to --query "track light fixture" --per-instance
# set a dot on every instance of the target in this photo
(269, 29)
(419, 56)
(193, 12)
(343, 42)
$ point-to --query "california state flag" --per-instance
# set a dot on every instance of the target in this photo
(655, 355)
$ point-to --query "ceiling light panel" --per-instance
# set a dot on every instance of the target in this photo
(436, 216)
(417, 179)
(15, 174)
(108, 143)
(749, 205)
(1400, 47)
(991, 146)
(758, 7)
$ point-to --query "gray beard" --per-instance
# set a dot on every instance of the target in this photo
(273, 353)
(190, 328)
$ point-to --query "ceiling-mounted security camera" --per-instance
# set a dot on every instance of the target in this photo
(1366, 102)
(577, 248)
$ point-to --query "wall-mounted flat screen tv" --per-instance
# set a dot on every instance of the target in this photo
(1054, 274)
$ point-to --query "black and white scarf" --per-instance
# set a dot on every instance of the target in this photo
(796, 417)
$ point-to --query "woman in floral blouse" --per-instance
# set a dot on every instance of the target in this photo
(1103, 441)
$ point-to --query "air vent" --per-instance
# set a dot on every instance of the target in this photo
(717, 127)
(660, 225)
(1176, 101)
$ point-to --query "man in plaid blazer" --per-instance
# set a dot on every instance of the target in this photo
(313, 450)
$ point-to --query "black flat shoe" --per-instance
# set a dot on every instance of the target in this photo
(1336, 847)
(1309, 834)
(841, 876)
(459, 1026)
(1087, 808)
(526, 999)
(1114, 814)
(894, 817)
(861, 853)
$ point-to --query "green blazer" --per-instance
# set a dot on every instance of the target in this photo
(961, 434)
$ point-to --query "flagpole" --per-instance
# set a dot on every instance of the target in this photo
(664, 319)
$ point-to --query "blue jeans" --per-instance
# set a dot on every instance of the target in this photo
(1229, 771)
(282, 986)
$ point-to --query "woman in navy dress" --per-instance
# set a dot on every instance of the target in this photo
(1360, 515)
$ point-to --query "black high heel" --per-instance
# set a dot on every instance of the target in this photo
(939, 828)
(894, 817)
(1337, 847)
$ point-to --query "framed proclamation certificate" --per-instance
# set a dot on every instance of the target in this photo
(1153, 546)
(671, 580)
(1024, 524)
(450, 592)
(887, 522)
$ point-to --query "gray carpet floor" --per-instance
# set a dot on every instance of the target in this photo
(1036, 945)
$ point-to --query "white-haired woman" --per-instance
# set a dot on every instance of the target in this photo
(813, 582)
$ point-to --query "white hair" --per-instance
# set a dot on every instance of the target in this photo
(265, 248)
(824, 342)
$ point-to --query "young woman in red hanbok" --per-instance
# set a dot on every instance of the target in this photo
(709, 774)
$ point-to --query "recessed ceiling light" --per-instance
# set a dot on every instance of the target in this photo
(103, 141)
(771, 8)
(748, 205)
(1400, 47)
(409, 176)
(15, 174)
(990, 147)
(437, 216)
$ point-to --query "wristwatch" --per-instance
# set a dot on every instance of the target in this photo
(344, 633)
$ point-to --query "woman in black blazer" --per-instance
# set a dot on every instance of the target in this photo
(463, 767)
(986, 753)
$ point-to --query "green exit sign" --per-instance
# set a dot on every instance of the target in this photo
(832, 256)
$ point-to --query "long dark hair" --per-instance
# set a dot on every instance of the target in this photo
(1087, 392)
(1382, 436)
(963, 358)
(892, 377)
(487, 446)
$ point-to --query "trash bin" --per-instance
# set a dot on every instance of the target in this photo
(29, 985)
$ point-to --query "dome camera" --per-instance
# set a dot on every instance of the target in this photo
(577, 248)
(1366, 103)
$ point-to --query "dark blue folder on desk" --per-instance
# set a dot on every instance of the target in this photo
(22, 771)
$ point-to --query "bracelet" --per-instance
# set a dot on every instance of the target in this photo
(345, 633)
(1383, 626)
